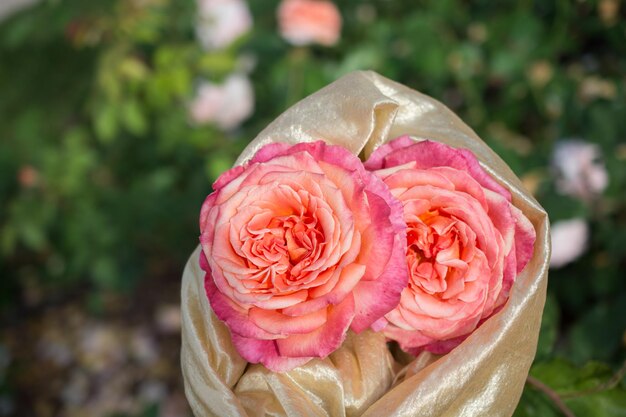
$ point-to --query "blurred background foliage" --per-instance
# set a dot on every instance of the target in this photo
(104, 164)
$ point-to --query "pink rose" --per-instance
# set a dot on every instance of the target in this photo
(303, 22)
(300, 244)
(466, 242)
(579, 169)
(569, 241)
(227, 105)
(221, 22)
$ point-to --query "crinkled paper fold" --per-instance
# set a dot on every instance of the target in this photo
(484, 376)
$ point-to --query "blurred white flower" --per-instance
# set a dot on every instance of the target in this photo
(152, 391)
(226, 105)
(143, 347)
(9, 7)
(220, 22)
(569, 241)
(579, 169)
(101, 348)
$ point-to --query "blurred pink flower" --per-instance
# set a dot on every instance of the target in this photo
(569, 241)
(28, 176)
(303, 22)
(580, 171)
(226, 105)
(220, 22)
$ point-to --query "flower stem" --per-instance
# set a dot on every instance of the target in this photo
(550, 393)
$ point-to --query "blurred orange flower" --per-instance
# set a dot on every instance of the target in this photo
(304, 22)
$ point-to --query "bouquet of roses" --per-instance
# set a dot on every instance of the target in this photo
(314, 264)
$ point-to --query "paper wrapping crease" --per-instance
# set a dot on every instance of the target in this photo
(484, 376)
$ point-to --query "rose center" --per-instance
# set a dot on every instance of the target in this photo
(287, 245)
(434, 249)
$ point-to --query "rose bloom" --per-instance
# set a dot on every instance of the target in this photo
(466, 243)
(579, 169)
(226, 105)
(569, 241)
(304, 22)
(221, 22)
(299, 245)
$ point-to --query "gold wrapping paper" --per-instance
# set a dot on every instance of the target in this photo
(484, 376)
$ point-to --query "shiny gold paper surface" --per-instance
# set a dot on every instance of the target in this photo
(484, 376)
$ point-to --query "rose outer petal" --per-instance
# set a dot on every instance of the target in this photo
(276, 323)
(320, 151)
(235, 317)
(429, 154)
(525, 237)
(325, 340)
(376, 294)
(376, 160)
(266, 352)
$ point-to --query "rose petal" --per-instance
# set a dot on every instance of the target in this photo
(525, 236)
(280, 324)
(266, 352)
(376, 160)
(379, 291)
(429, 154)
(234, 316)
(324, 340)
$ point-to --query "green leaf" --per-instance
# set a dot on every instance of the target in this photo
(105, 272)
(217, 63)
(578, 387)
(564, 377)
(217, 165)
(605, 404)
(161, 179)
(549, 328)
(363, 58)
(599, 333)
(32, 235)
(133, 118)
(8, 239)
(106, 122)
(133, 69)
(535, 404)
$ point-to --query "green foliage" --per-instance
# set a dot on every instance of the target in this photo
(549, 329)
(584, 391)
(102, 174)
(94, 106)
